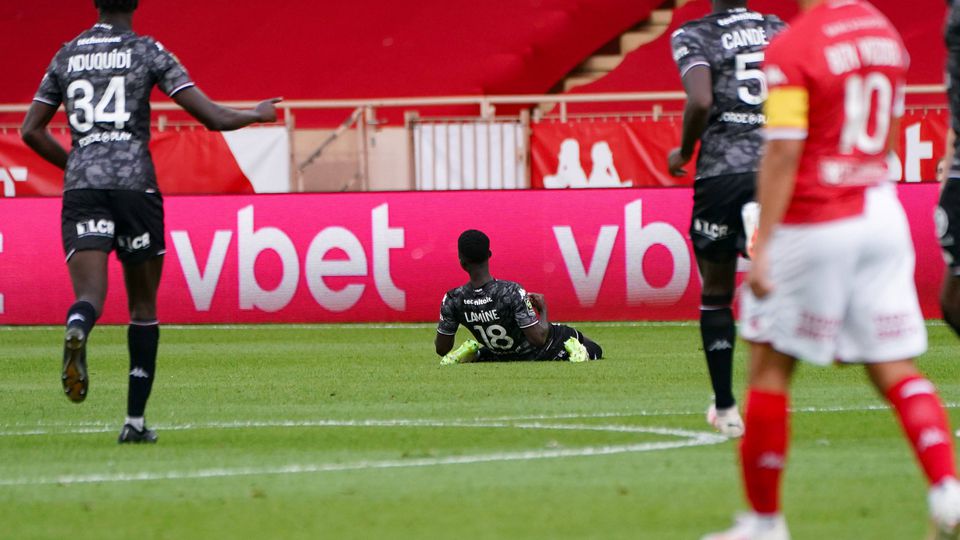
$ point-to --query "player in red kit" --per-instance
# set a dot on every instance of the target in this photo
(833, 264)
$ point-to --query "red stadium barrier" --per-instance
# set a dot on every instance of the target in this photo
(188, 163)
(597, 255)
(635, 152)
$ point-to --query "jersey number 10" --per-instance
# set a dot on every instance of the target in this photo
(866, 95)
(81, 92)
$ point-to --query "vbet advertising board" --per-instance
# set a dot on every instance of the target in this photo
(597, 255)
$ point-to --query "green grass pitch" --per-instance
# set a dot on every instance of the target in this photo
(309, 432)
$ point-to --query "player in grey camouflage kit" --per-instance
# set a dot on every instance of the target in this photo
(948, 210)
(502, 317)
(111, 200)
(719, 57)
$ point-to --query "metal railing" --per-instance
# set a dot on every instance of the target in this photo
(361, 116)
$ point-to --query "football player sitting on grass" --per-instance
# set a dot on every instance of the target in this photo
(507, 322)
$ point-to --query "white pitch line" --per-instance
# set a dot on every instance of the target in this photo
(529, 455)
(447, 424)
(74, 428)
(688, 439)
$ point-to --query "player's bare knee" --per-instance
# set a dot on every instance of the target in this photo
(770, 371)
(143, 311)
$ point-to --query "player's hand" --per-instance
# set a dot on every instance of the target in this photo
(676, 162)
(538, 301)
(759, 276)
(267, 110)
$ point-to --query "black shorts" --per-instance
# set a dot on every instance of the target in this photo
(947, 218)
(552, 350)
(716, 226)
(130, 222)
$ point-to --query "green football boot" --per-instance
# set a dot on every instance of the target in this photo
(576, 351)
(466, 352)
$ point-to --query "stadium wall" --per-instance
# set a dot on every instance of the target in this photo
(609, 255)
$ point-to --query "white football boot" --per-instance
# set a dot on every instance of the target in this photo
(944, 500)
(751, 526)
(726, 421)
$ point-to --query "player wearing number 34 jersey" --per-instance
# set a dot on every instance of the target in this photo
(502, 317)
(111, 201)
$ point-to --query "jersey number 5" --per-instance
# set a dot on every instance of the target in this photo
(81, 92)
(747, 73)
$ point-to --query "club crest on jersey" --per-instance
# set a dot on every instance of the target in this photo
(101, 227)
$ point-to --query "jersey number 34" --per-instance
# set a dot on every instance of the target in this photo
(81, 93)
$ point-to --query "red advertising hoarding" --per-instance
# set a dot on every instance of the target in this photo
(596, 154)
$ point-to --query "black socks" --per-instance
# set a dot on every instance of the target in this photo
(83, 315)
(142, 340)
(718, 330)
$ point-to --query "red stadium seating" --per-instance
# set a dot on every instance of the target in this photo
(649, 68)
(240, 49)
(299, 49)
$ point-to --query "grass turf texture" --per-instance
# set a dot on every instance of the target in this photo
(222, 394)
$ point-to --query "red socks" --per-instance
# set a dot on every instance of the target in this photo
(763, 451)
(925, 423)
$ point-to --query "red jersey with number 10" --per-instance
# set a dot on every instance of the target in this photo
(837, 80)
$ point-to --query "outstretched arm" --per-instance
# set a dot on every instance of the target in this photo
(216, 117)
(698, 84)
(538, 334)
(34, 133)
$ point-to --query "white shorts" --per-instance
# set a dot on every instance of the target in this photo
(843, 290)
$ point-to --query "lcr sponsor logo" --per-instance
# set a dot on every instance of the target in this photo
(134, 243)
(713, 231)
(99, 227)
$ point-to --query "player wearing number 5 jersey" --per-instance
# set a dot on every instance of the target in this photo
(502, 317)
(719, 58)
(111, 201)
(833, 262)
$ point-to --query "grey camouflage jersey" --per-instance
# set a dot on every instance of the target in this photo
(104, 78)
(953, 79)
(495, 314)
(731, 44)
